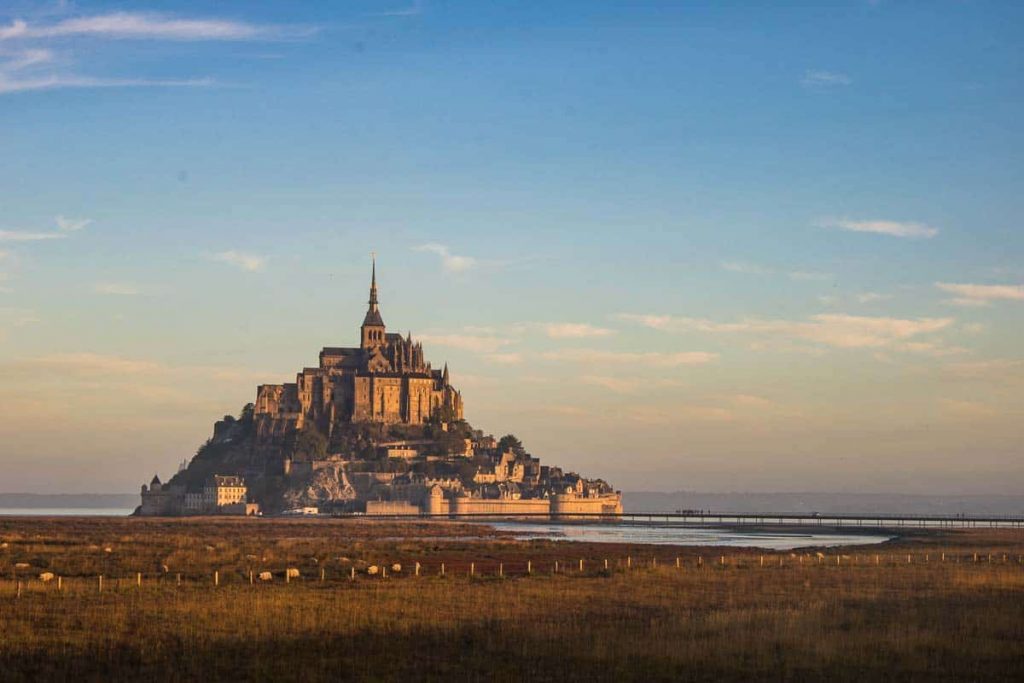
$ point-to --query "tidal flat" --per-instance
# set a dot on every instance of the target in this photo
(182, 599)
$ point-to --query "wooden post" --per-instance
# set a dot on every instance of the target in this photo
(178, 580)
(417, 569)
(677, 563)
(780, 560)
(472, 568)
(629, 562)
(581, 566)
(556, 566)
(216, 577)
(19, 589)
(501, 569)
(442, 569)
(908, 559)
(837, 559)
(323, 574)
(762, 560)
(529, 566)
(943, 557)
(60, 583)
(876, 559)
(138, 579)
(101, 583)
(383, 571)
(700, 561)
(606, 564)
(654, 562)
(287, 575)
(722, 560)
(250, 577)
(353, 574)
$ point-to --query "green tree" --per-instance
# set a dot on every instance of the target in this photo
(510, 443)
(309, 444)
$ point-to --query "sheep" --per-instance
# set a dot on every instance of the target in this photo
(292, 573)
(266, 576)
(108, 549)
(46, 577)
(21, 565)
(372, 569)
(396, 567)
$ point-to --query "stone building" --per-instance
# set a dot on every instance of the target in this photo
(385, 379)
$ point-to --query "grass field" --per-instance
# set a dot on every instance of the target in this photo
(930, 606)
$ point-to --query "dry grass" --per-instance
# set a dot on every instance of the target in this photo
(806, 620)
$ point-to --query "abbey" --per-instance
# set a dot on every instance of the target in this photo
(385, 379)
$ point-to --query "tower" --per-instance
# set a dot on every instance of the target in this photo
(372, 330)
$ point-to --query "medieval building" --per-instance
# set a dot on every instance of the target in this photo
(385, 379)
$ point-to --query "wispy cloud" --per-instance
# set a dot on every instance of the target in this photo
(467, 342)
(57, 81)
(140, 26)
(72, 224)
(871, 297)
(756, 269)
(116, 288)
(26, 236)
(817, 78)
(834, 330)
(575, 331)
(238, 259)
(642, 359)
(415, 9)
(504, 358)
(880, 227)
(628, 385)
(967, 294)
(451, 263)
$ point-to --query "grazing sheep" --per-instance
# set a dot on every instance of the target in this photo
(3, 545)
(396, 567)
(46, 577)
(21, 565)
(821, 556)
(108, 549)
(372, 569)
(165, 568)
(266, 576)
(292, 573)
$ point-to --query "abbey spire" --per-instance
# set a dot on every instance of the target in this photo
(373, 330)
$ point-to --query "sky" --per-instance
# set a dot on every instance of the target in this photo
(710, 246)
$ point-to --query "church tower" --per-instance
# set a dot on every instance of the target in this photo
(372, 330)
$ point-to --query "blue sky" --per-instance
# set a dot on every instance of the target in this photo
(680, 245)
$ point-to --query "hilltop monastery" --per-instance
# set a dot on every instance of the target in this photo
(374, 429)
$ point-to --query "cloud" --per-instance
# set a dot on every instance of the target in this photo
(658, 415)
(467, 342)
(238, 259)
(151, 26)
(755, 269)
(891, 228)
(981, 295)
(84, 365)
(24, 59)
(71, 224)
(643, 359)
(815, 78)
(871, 297)
(834, 330)
(627, 385)
(966, 409)
(115, 288)
(56, 81)
(575, 331)
(23, 236)
(504, 358)
(449, 261)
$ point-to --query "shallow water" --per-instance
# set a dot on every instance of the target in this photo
(674, 534)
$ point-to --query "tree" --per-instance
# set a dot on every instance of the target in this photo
(510, 443)
(309, 444)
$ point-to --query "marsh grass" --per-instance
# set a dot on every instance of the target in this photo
(804, 620)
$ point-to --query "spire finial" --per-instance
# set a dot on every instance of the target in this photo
(373, 282)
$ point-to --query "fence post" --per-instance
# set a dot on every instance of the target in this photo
(700, 561)
(908, 559)
(606, 564)
(250, 577)
(323, 574)
(762, 560)
(472, 568)
(529, 566)
(178, 580)
(138, 579)
(654, 562)
(353, 574)
(101, 583)
(19, 589)
(556, 567)
(417, 569)
(501, 569)
(629, 562)
(581, 566)
(677, 563)
(216, 577)
(60, 584)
